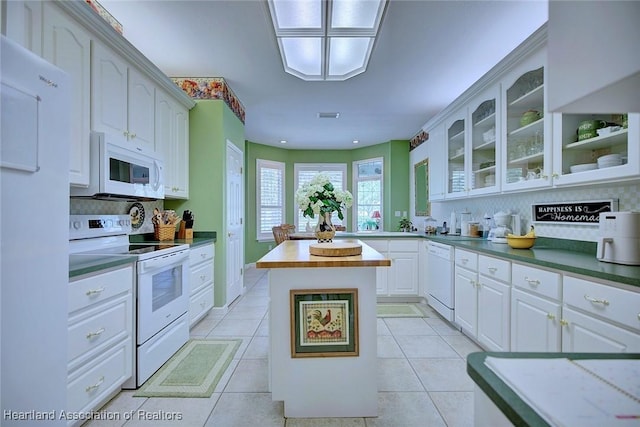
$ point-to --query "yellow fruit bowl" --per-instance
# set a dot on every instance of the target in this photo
(520, 242)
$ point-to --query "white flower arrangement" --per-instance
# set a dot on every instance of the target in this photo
(319, 196)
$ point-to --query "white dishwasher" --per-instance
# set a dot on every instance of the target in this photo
(440, 280)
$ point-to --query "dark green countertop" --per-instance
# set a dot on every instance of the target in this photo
(570, 256)
(84, 264)
(511, 405)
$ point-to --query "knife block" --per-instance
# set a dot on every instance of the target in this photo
(185, 233)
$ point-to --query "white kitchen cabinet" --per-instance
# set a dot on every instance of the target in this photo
(23, 24)
(535, 309)
(526, 155)
(437, 152)
(466, 291)
(201, 282)
(569, 151)
(122, 100)
(172, 137)
(401, 279)
(67, 45)
(484, 118)
(100, 338)
(598, 317)
(494, 303)
(578, 83)
(456, 155)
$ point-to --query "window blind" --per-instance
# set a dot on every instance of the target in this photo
(270, 194)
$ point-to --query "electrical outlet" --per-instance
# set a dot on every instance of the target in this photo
(404, 214)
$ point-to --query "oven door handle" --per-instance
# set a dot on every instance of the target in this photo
(163, 262)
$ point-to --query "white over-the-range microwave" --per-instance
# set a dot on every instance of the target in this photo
(120, 173)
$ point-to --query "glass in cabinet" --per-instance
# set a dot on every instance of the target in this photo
(595, 147)
(527, 128)
(484, 152)
(456, 177)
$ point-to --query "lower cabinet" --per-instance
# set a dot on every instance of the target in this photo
(466, 291)
(599, 318)
(201, 283)
(100, 338)
(401, 279)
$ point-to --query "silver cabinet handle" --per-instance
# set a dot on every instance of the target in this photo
(492, 269)
(595, 300)
(464, 260)
(203, 277)
(93, 387)
(203, 256)
(94, 291)
(532, 282)
(91, 335)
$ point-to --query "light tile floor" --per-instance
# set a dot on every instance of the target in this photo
(422, 379)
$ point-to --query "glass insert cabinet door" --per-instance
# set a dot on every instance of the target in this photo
(525, 106)
(457, 184)
(483, 145)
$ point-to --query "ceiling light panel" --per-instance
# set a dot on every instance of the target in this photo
(355, 14)
(311, 51)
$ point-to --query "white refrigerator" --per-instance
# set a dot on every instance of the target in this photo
(35, 130)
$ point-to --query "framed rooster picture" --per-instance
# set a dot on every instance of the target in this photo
(324, 322)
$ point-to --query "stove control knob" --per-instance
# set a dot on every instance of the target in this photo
(107, 223)
(77, 225)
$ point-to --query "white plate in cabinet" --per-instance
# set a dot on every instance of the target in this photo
(201, 254)
(495, 268)
(97, 328)
(537, 281)
(615, 304)
(201, 275)
(99, 288)
(466, 259)
(100, 379)
(200, 304)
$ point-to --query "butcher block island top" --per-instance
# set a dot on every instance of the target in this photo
(295, 254)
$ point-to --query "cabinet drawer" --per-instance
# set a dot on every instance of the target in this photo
(200, 254)
(95, 289)
(380, 245)
(403, 245)
(107, 373)
(498, 269)
(200, 276)
(466, 259)
(612, 303)
(541, 282)
(96, 328)
(200, 304)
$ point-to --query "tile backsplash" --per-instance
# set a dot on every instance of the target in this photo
(108, 207)
(627, 194)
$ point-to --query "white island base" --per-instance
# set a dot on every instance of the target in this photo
(314, 387)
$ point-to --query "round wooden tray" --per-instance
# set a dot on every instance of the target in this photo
(335, 249)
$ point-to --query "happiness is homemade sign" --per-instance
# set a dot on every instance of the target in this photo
(573, 212)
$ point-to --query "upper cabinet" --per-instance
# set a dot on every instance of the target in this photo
(123, 100)
(595, 147)
(484, 153)
(594, 66)
(455, 134)
(172, 136)
(23, 23)
(527, 131)
(67, 45)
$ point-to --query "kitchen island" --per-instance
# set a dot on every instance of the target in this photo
(322, 330)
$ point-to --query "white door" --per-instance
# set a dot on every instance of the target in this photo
(235, 227)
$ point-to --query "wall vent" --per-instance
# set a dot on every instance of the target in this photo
(328, 115)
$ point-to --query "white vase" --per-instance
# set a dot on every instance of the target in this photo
(325, 231)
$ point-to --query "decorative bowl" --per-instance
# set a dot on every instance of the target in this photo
(520, 242)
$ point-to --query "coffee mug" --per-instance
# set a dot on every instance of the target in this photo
(591, 125)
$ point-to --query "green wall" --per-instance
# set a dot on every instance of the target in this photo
(211, 124)
(396, 177)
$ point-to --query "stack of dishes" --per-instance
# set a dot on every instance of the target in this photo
(609, 160)
(583, 167)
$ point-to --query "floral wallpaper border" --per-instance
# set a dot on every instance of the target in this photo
(211, 88)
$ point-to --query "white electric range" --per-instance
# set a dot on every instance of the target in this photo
(161, 288)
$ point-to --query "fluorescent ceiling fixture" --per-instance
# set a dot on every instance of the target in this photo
(326, 39)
